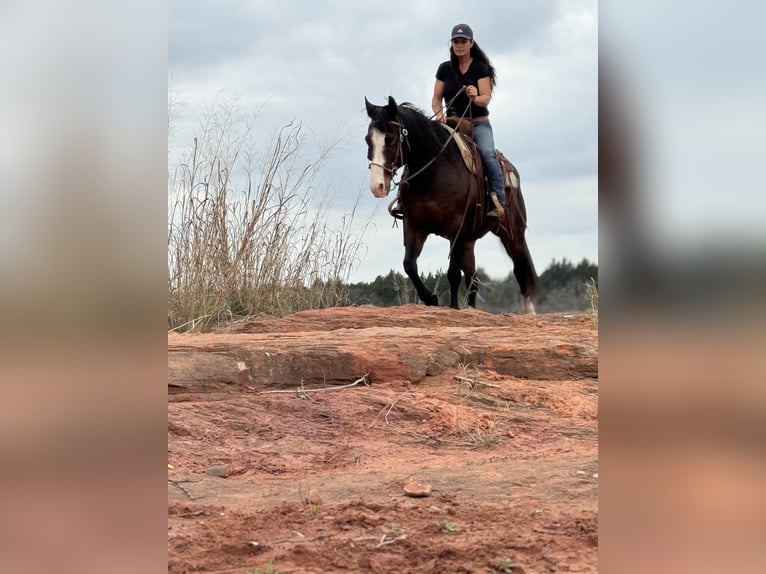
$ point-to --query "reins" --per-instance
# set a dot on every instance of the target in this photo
(403, 130)
(406, 178)
(403, 133)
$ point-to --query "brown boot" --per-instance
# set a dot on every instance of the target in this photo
(498, 209)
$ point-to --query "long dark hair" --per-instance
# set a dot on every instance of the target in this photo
(477, 54)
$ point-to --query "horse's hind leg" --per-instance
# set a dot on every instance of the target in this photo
(413, 246)
(523, 268)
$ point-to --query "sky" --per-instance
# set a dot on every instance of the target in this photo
(316, 62)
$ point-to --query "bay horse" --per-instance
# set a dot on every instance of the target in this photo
(439, 195)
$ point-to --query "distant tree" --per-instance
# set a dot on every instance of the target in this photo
(502, 296)
(562, 288)
(384, 291)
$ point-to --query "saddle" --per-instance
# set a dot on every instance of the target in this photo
(462, 131)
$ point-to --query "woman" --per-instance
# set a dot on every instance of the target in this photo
(469, 70)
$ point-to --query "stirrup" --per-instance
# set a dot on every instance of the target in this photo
(498, 206)
(395, 209)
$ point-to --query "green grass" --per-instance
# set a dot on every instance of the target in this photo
(505, 565)
(448, 526)
(268, 568)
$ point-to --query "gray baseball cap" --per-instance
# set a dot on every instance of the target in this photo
(462, 31)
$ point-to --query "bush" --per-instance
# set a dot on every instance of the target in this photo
(246, 235)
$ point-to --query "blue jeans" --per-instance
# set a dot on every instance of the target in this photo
(485, 139)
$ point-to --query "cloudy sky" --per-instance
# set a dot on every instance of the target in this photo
(316, 62)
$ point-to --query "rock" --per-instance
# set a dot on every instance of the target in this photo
(417, 489)
(221, 470)
(313, 497)
(336, 346)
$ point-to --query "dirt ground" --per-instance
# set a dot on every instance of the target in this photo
(291, 441)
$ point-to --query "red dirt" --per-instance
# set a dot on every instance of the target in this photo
(498, 413)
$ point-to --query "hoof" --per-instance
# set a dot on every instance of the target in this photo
(528, 306)
(432, 301)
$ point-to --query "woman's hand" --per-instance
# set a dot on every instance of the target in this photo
(471, 91)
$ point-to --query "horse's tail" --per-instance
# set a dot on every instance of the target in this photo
(513, 231)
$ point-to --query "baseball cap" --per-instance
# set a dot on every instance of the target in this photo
(462, 31)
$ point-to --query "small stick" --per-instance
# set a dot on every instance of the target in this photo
(474, 381)
(391, 406)
(388, 412)
(297, 540)
(364, 538)
(363, 379)
(543, 531)
(383, 540)
(186, 492)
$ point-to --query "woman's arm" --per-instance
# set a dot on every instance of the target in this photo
(483, 94)
(436, 101)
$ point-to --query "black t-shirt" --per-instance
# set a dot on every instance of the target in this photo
(454, 80)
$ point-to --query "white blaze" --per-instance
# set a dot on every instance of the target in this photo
(380, 182)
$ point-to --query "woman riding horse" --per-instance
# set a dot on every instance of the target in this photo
(439, 195)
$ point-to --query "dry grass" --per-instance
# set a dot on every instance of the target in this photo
(483, 434)
(248, 233)
(592, 294)
(268, 568)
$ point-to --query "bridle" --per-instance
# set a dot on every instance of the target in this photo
(399, 156)
(398, 161)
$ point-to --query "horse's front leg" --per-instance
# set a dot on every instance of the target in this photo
(469, 270)
(453, 273)
(413, 246)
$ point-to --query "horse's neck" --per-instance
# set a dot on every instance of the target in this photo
(413, 154)
(415, 161)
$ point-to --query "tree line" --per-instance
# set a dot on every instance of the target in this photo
(563, 287)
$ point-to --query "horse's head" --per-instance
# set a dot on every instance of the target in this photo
(384, 149)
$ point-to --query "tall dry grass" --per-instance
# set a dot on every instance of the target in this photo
(248, 232)
(592, 294)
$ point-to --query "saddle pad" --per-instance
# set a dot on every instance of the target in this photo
(465, 148)
(511, 180)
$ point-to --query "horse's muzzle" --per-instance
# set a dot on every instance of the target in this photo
(380, 182)
(380, 190)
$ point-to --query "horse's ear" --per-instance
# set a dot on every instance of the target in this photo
(392, 106)
(370, 107)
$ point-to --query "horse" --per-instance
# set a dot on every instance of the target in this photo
(439, 195)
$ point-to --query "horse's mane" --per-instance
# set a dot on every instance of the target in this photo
(426, 134)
